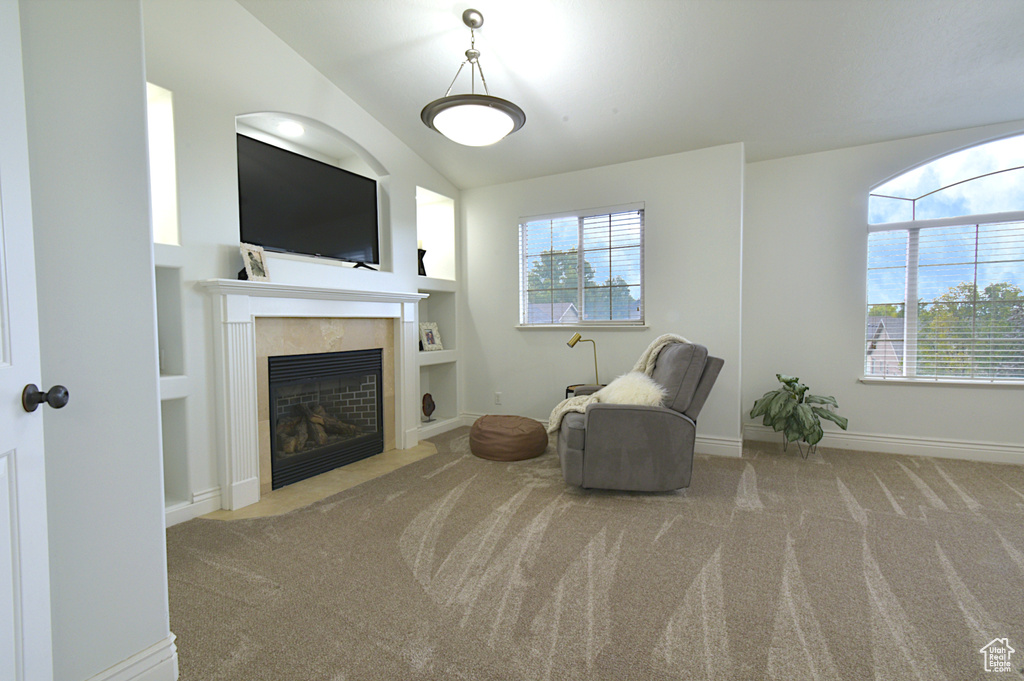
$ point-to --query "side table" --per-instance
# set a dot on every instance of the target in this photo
(581, 389)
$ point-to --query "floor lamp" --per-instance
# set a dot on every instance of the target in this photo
(576, 338)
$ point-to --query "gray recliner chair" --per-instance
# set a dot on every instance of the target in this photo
(649, 449)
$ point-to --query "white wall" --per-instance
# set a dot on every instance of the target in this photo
(86, 99)
(220, 62)
(805, 245)
(692, 267)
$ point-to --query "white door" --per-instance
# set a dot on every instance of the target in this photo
(24, 567)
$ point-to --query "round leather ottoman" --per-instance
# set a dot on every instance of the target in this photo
(507, 438)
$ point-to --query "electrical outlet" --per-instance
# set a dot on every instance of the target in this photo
(497, 398)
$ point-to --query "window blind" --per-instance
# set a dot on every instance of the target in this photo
(966, 313)
(582, 268)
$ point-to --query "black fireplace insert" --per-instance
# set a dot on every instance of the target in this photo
(326, 411)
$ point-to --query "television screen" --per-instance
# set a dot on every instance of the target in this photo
(294, 204)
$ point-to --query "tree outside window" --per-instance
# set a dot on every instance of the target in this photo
(606, 247)
(949, 236)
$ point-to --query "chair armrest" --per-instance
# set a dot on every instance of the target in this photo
(586, 389)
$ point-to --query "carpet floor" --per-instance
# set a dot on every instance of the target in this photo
(844, 566)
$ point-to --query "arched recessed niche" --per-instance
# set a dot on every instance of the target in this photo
(320, 139)
(317, 140)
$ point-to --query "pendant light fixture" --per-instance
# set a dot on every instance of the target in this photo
(473, 120)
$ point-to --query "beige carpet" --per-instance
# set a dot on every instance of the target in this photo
(844, 566)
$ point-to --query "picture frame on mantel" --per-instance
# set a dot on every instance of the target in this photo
(430, 337)
(255, 264)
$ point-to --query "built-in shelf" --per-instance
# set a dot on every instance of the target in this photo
(439, 369)
(437, 357)
(441, 381)
(438, 426)
(170, 335)
(439, 307)
(175, 384)
(168, 255)
(435, 233)
(430, 284)
(173, 418)
(174, 387)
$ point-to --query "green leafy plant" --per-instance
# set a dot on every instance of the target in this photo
(795, 413)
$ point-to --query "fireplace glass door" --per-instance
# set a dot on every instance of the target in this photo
(326, 410)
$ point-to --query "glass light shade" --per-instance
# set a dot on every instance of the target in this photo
(473, 120)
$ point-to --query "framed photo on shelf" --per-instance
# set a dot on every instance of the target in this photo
(430, 337)
(255, 265)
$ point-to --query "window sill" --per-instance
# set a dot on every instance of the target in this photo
(602, 327)
(942, 382)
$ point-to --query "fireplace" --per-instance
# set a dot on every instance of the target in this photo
(255, 320)
(326, 411)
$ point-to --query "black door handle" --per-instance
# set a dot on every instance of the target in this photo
(32, 397)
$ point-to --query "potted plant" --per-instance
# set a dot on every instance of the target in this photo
(790, 410)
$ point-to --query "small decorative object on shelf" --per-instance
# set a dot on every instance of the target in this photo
(428, 406)
(430, 336)
(422, 252)
(255, 266)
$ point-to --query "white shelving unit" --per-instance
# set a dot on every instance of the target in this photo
(175, 386)
(439, 369)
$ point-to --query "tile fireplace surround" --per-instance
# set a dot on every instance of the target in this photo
(236, 307)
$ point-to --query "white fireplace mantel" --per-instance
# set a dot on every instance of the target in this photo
(236, 305)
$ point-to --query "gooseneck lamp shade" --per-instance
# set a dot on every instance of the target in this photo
(471, 119)
(576, 338)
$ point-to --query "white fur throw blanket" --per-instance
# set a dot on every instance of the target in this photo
(643, 365)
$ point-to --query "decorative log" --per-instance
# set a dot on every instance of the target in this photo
(287, 434)
(309, 414)
(336, 426)
(287, 424)
(311, 427)
(317, 433)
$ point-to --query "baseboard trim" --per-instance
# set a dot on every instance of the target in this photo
(718, 446)
(202, 503)
(158, 662)
(991, 452)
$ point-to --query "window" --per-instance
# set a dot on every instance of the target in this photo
(584, 267)
(948, 238)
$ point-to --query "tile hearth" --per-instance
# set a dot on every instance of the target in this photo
(311, 490)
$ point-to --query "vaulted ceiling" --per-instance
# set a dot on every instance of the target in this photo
(607, 81)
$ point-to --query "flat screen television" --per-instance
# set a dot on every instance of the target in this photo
(290, 203)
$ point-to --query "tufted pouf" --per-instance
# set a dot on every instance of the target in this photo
(507, 438)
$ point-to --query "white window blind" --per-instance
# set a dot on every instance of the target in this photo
(585, 267)
(944, 302)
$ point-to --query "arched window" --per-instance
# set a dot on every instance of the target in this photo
(948, 237)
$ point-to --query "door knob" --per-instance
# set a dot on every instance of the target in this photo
(32, 397)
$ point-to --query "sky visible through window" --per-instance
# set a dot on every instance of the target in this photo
(983, 192)
(590, 267)
(988, 178)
